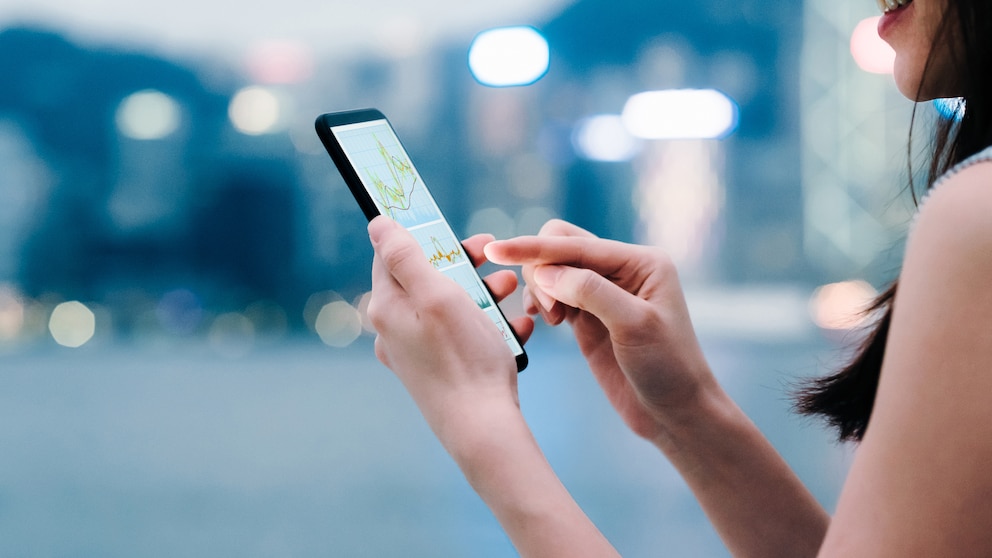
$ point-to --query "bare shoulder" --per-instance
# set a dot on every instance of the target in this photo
(915, 485)
(943, 303)
(948, 260)
(960, 207)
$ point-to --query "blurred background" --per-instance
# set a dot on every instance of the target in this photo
(185, 366)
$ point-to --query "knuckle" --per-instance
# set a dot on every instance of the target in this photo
(434, 302)
(587, 283)
(640, 321)
(663, 260)
(380, 350)
(652, 260)
(643, 317)
(437, 301)
(377, 313)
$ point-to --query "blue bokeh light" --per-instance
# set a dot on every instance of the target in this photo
(603, 137)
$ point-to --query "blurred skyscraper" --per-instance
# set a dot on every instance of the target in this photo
(135, 181)
(743, 193)
(854, 150)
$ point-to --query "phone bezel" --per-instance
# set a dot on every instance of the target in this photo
(323, 125)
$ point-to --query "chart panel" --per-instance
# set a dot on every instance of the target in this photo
(439, 245)
(387, 173)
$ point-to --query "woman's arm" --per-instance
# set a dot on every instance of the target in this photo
(754, 500)
(921, 483)
(496, 451)
(627, 311)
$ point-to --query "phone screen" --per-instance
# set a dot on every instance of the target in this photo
(397, 190)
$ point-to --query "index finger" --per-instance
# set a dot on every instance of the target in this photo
(606, 257)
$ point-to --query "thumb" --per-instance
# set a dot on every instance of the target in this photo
(401, 256)
(589, 291)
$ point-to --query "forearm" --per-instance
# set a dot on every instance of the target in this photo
(503, 463)
(757, 504)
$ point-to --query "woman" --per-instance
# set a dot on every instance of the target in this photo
(921, 482)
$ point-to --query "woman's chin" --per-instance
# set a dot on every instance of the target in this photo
(907, 78)
(907, 81)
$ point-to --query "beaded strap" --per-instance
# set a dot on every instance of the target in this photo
(980, 157)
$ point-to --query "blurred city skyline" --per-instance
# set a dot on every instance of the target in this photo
(195, 186)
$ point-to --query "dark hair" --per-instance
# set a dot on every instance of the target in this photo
(845, 398)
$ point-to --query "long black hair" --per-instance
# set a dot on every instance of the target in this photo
(846, 398)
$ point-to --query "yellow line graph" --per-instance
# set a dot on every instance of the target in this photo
(398, 195)
(441, 254)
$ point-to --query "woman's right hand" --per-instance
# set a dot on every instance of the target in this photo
(626, 308)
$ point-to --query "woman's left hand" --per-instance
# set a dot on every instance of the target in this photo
(463, 376)
(432, 335)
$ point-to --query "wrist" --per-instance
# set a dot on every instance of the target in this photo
(479, 428)
(707, 404)
(501, 460)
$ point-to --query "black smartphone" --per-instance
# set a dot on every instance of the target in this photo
(384, 181)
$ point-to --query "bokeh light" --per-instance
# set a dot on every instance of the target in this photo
(72, 324)
(280, 62)
(362, 305)
(680, 114)
(870, 52)
(605, 138)
(254, 111)
(231, 335)
(338, 324)
(148, 115)
(314, 304)
(179, 312)
(492, 220)
(509, 56)
(841, 306)
(680, 197)
(11, 313)
(268, 318)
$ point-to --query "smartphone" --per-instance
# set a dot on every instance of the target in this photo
(379, 173)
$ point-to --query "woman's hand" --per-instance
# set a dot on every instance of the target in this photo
(626, 308)
(444, 349)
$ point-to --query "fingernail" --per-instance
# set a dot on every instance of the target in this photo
(491, 250)
(377, 227)
(544, 299)
(528, 302)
